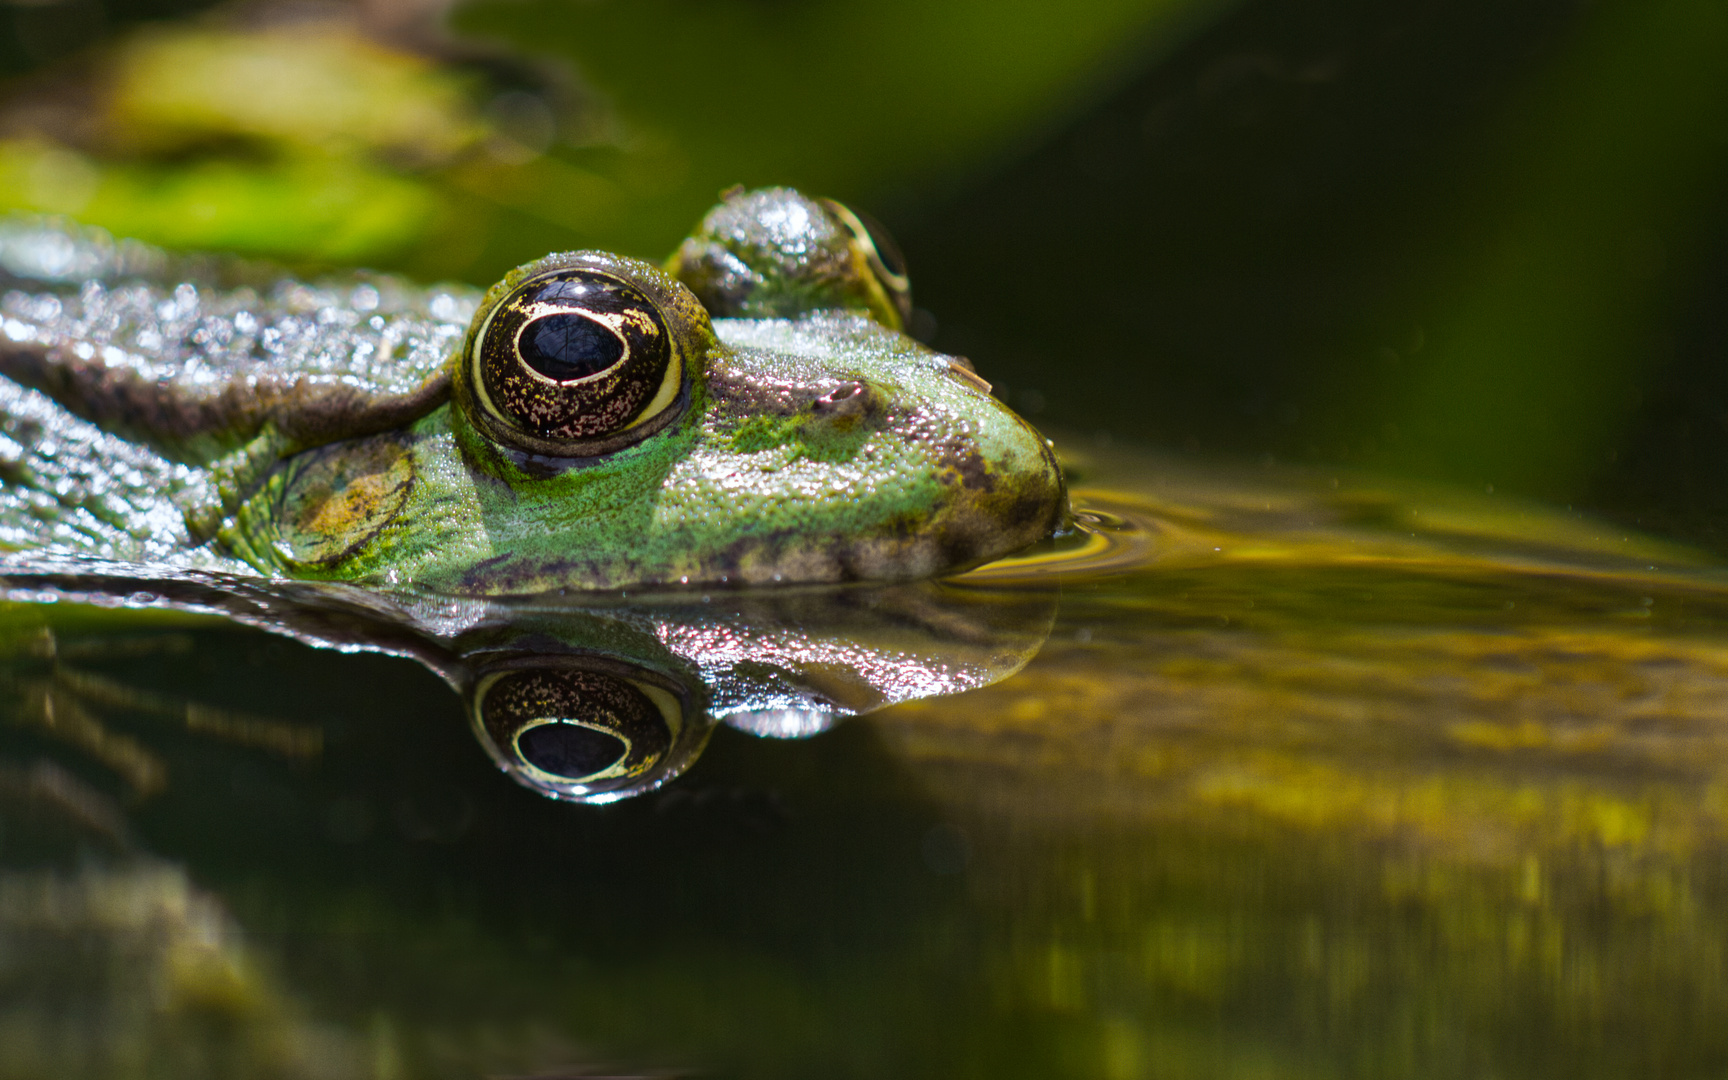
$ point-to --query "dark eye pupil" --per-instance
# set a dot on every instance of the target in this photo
(568, 347)
(569, 750)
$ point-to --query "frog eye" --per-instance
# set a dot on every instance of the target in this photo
(578, 734)
(575, 362)
(871, 240)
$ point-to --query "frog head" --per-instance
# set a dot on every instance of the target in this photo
(752, 415)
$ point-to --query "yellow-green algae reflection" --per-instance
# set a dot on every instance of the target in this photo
(1316, 776)
(1335, 790)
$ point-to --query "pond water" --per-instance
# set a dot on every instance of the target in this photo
(1263, 773)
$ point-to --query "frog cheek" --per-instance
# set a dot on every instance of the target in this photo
(584, 729)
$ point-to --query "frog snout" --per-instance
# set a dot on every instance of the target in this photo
(864, 459)
(1005, 490)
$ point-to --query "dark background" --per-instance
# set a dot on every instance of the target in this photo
(1468, 241)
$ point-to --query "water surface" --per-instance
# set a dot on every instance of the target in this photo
(1303, 775)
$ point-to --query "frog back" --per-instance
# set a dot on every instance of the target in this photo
(194, 356)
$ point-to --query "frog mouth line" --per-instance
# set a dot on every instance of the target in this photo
(968, 530)
(779, 559)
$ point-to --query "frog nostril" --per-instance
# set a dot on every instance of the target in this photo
(851, 399)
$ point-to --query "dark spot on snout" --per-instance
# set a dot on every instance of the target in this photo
(1035, 505)
(974, 474)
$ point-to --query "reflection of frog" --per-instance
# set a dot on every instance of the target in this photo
(591, 428)
(599, 704)
(584, 697)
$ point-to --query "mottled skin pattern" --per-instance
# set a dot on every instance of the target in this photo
(315, 431)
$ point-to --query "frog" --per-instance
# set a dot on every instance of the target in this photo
(751, 412)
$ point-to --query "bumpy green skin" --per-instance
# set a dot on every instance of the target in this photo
(823, 447)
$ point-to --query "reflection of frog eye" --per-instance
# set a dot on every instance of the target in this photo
(575, 362)
(881, 253)
(577, 733)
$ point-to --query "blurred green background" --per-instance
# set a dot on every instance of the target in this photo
(1465, 240)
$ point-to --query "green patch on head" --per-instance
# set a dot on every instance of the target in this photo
(803, 436)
